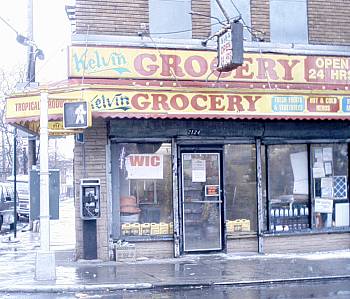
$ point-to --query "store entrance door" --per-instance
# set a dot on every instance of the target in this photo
(201, 201)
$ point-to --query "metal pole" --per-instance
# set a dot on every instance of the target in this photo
(45, 265)
(259, 188)
(223, 11)
(15, 182)
(44, 175)
(30, 78)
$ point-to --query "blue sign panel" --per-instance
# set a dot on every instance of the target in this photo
(346, 104)
(288, 104)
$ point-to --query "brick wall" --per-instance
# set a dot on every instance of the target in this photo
(260, 18)
(111, 17)
(329, 22)
(201, 26)
(307, 243)
(91, 156)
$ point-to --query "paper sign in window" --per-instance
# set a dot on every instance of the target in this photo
(323, 205)
(144, 166)
(300, 172)
(198, 171)
(212, 190)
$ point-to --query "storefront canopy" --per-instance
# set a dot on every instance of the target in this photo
(113, 101)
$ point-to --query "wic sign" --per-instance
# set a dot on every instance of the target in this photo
(144, 166)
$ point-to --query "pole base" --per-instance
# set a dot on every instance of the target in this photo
(45, 265)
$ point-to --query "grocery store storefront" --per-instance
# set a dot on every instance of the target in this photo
(256, 162)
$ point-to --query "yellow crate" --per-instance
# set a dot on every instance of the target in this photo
(154, 228)
(145, 229)
(171, 228)
(238, 225)
(135, 229)
(230, 226)
(126, 229)
(245, 225)
(163, 228)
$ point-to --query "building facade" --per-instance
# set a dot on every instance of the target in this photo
(191, 160)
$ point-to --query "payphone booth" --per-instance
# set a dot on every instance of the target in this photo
(89, 212)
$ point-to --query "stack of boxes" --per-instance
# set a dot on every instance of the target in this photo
(238, 225)
(146, 229)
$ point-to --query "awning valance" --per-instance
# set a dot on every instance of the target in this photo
(111, 101)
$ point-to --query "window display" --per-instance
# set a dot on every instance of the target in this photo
(329, 182)
(240, 186)
(145, 189)
(288, 189)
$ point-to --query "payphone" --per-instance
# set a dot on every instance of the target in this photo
(89, 199)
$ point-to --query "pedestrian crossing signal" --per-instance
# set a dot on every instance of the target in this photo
(76, 115)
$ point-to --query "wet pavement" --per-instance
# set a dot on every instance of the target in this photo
(17, 268)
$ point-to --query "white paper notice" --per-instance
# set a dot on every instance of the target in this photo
(327, 154)
(300, 172)
(326, 192)
(328, 168)
(318, 172)
(198, 171)
(318, 154)
(323, 205)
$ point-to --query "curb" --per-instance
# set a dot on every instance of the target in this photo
(144, 286)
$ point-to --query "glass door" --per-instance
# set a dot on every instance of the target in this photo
(201, 202)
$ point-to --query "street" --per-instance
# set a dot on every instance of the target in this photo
(339, 289)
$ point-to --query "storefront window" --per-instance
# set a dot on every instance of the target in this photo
(145, 189)
(288, 187)
(329, 185)
(240, 186)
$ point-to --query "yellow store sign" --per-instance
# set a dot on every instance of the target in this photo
(218, 103)
(176, 64)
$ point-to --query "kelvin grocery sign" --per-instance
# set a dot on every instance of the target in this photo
(144, 166)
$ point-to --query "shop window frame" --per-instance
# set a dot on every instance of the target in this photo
(250, 234)
(116, 232)
(310, 230)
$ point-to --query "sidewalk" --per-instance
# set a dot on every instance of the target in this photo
(17, 270)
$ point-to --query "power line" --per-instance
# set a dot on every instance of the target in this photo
(11, 27)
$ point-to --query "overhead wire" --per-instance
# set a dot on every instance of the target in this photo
(250, 30)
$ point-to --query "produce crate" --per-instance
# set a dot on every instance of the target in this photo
(126, 229)
(145, 229)
(135, 229)
(163, 228)
(154, 228)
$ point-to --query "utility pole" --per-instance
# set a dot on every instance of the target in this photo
(30, 78)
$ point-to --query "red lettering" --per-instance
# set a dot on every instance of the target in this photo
(144, 160)
(147, 70)
(137, 103)
(179, 106)
(137, 160)
(216, 102)
(200, 61)
(234, 103)
(160, 100)
(213, 67)
(252, 102)
(155, 161)
(171, 66)
(243, 71)
(195, 104)
(266, 69)
(288, 68)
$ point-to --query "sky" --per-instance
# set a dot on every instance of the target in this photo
(51, 33)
